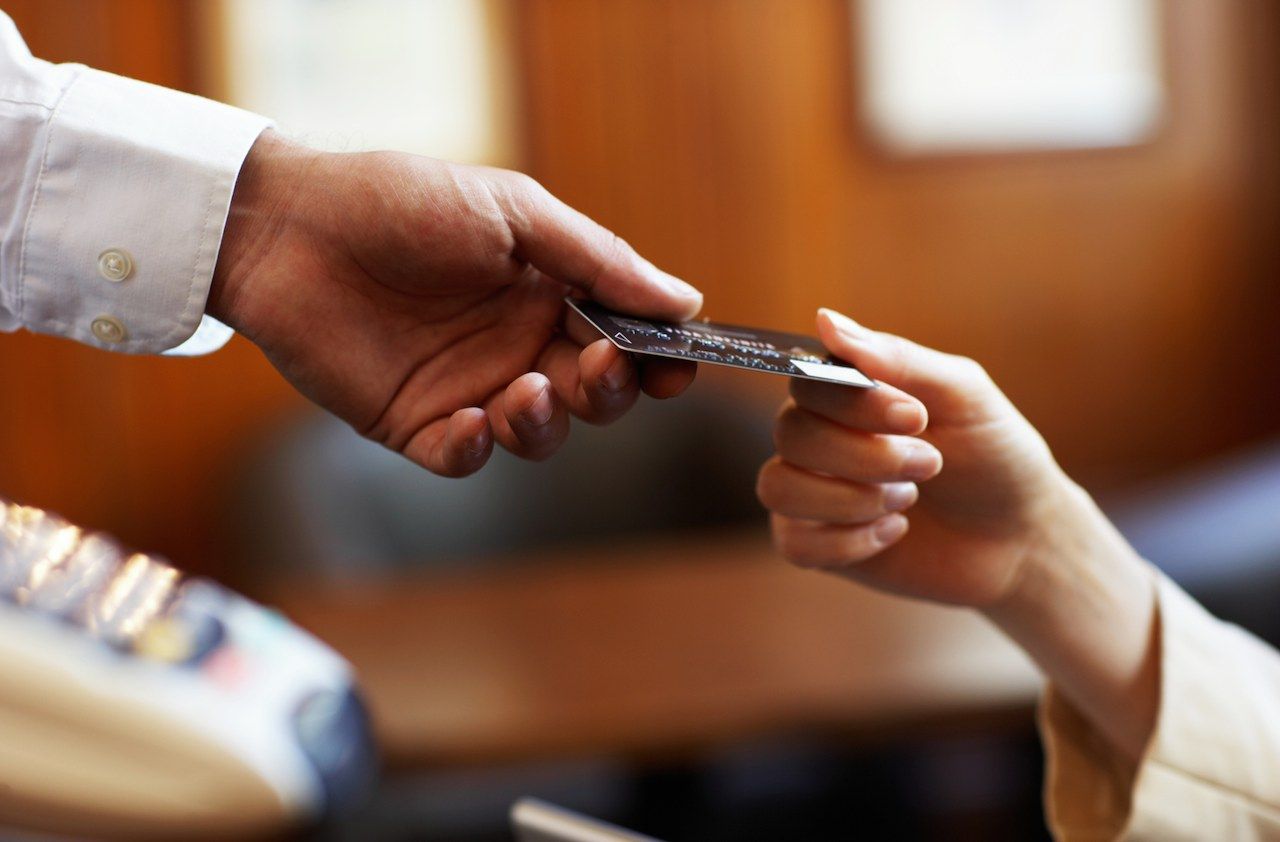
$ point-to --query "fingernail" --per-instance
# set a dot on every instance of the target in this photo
(678, 286)
(890, 529)
(899, 495)
(477, 443)
(905, 415)
(618, 375)
(845, 325)
(539, 412)
(922, 461)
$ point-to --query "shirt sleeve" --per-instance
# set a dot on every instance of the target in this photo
(1212, 767)
(113, 199)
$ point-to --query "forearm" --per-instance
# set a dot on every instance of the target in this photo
(1085, 610)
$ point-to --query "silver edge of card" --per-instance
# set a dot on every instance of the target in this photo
(835, 374)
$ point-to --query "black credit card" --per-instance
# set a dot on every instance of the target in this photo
(771, 351)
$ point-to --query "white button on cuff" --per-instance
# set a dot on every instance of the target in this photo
(109, 329)
(115, 265)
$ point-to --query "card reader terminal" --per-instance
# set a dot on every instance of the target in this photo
(137, 702)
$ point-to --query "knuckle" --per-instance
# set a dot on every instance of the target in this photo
(775, 435)
(883, 498)
(804, 561)
(854, 547)
(615, 253)
(822, 399)
(811, 396)
(770, 488)
(788, 428)
(526, 184)
(611, 255)
(856, 503)
(972, 371)
(779, 435)
(799, 553)
(801, 548)
(763, 488)
(787, 540)
(619, 248)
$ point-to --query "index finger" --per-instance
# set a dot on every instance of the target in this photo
(953, 387)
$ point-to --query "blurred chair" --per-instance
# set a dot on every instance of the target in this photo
(318, 499)
(1215, 529)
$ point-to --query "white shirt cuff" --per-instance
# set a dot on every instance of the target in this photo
(210, 335)
(128, 214)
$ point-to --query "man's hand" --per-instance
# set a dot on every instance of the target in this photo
(422, 301)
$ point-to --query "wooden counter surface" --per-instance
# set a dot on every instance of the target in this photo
(670, 646)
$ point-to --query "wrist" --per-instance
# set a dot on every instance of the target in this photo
(266, 190)
(1071, 539)
(1085, 610)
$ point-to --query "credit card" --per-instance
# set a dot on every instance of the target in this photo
(770, 351)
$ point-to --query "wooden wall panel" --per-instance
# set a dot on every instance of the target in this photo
(1104, 289)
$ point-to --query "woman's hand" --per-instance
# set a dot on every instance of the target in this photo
(934, 486)
(937, 438)
(422, 301)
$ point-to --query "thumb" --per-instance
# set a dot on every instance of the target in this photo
(572, 248)
(953, 388)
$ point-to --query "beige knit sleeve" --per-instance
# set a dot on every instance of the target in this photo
(1212, 768)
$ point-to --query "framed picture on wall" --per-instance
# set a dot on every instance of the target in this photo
(345, 75)
(982, 76)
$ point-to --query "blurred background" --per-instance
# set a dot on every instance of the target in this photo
(1085, 197)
